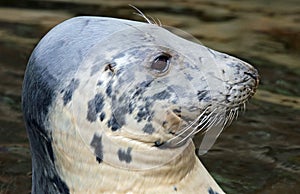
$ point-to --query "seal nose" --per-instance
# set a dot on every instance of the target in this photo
(253, 74)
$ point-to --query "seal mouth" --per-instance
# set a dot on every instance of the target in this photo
(211, 118)
(214, 117)
(189, 129)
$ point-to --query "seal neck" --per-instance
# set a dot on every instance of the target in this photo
(141, 159)
(84, 173)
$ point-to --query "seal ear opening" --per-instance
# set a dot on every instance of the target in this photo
(111, 67)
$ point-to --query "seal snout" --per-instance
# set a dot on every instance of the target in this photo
(242, 89)
(252, 78)
(253, 81)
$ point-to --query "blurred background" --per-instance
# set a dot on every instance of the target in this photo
(259, 153)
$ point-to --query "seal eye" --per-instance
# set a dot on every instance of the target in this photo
(161, 63)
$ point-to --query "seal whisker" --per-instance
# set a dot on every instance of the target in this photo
(194, 122)
(244, 107)
(159, 22)
(230, 117)
(155, 20)
(184, 130)
(236, 114)
(140, 13)
(211, 122)
(206, 121)
(195, 130)
(208, 118)
(206, 126)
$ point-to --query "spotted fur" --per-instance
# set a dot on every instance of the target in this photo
(118, 102)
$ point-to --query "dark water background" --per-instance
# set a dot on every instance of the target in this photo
(258, 154)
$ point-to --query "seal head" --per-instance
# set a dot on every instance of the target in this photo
(150, 89)
(134, 96)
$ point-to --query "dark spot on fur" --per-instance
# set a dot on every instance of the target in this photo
(211, 191)
(113, 124)
(141, 114)
(188, 76)
(131, 107)
(118, 118)
(102, 116)
(109, 89)
(175, 188)
(203, 95)
(137, 92)
(148, 128)
(99, 160)
(68, 92)
(99, 83)
(161, 95)
(146, 84)
(125, 155)
(144, 112)
(177, 112)
(140, 89)
(94, 107)
(96, 143)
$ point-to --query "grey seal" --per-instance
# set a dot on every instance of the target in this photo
(111, 106)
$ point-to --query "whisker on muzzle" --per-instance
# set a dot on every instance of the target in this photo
(221, 117)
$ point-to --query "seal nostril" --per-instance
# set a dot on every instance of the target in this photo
(253, 76)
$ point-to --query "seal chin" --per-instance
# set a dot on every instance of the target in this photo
(186, 127)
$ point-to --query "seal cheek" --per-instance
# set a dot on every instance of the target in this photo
(94, 107)
(148, 128)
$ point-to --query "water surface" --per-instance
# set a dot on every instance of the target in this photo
(259, 153)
